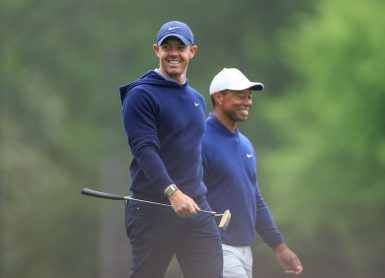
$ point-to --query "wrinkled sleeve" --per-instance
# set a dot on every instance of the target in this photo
(140, 115)
(265, 225)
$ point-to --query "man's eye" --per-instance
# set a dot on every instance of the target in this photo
(165, 46)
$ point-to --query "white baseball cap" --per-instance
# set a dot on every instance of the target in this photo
(232, 79)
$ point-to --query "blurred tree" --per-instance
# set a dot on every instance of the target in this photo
(47, 146)
(61, 65)
(329, 164)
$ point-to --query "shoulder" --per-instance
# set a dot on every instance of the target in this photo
(139, 93)
(244, 138)
(140, 99)
(246, 142)
(195, 93)
(211, 139)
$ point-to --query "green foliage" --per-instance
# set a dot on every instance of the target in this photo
(320, 140)
(331, 131)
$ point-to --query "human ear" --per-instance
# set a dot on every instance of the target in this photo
(155, 48)
(218, 97)
(193, 50)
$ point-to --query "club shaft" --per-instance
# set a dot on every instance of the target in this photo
(104, 195)
(166, 205)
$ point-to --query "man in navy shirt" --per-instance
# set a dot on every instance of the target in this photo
(231, 179)
(164, 122)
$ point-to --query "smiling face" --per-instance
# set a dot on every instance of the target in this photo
(232, 106)
(174, 57)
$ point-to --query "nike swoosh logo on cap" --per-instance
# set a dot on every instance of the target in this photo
(249, 155)
(172, 28)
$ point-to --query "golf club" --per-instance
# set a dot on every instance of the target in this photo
(225, 217)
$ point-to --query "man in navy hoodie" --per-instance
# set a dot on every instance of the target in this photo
(231, 178)
(164, 122)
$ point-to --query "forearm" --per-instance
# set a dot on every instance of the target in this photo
(267, 228)
(154, 168)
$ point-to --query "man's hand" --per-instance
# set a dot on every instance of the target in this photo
(182, 204)
(288, 260)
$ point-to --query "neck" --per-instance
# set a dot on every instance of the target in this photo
(225, 120)
(179, 79)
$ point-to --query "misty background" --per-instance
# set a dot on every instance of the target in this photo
(318, 127)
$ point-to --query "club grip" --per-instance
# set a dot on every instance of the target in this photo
(99, 194)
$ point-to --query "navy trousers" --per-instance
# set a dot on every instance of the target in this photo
(156, 233)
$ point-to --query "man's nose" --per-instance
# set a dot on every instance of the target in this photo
(174, 51)
(248, 101)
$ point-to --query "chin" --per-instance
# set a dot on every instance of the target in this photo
(174, 72)
(242, 118)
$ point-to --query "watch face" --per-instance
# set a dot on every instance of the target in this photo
(170, 189)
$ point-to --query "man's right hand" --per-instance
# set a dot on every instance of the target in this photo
(183, 205)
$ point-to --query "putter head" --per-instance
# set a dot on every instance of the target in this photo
(225, 220)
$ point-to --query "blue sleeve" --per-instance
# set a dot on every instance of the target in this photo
(140, 115)
(265, 225)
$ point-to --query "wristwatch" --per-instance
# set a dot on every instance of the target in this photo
(170, 190)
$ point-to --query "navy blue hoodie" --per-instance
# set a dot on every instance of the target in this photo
(164, 123)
